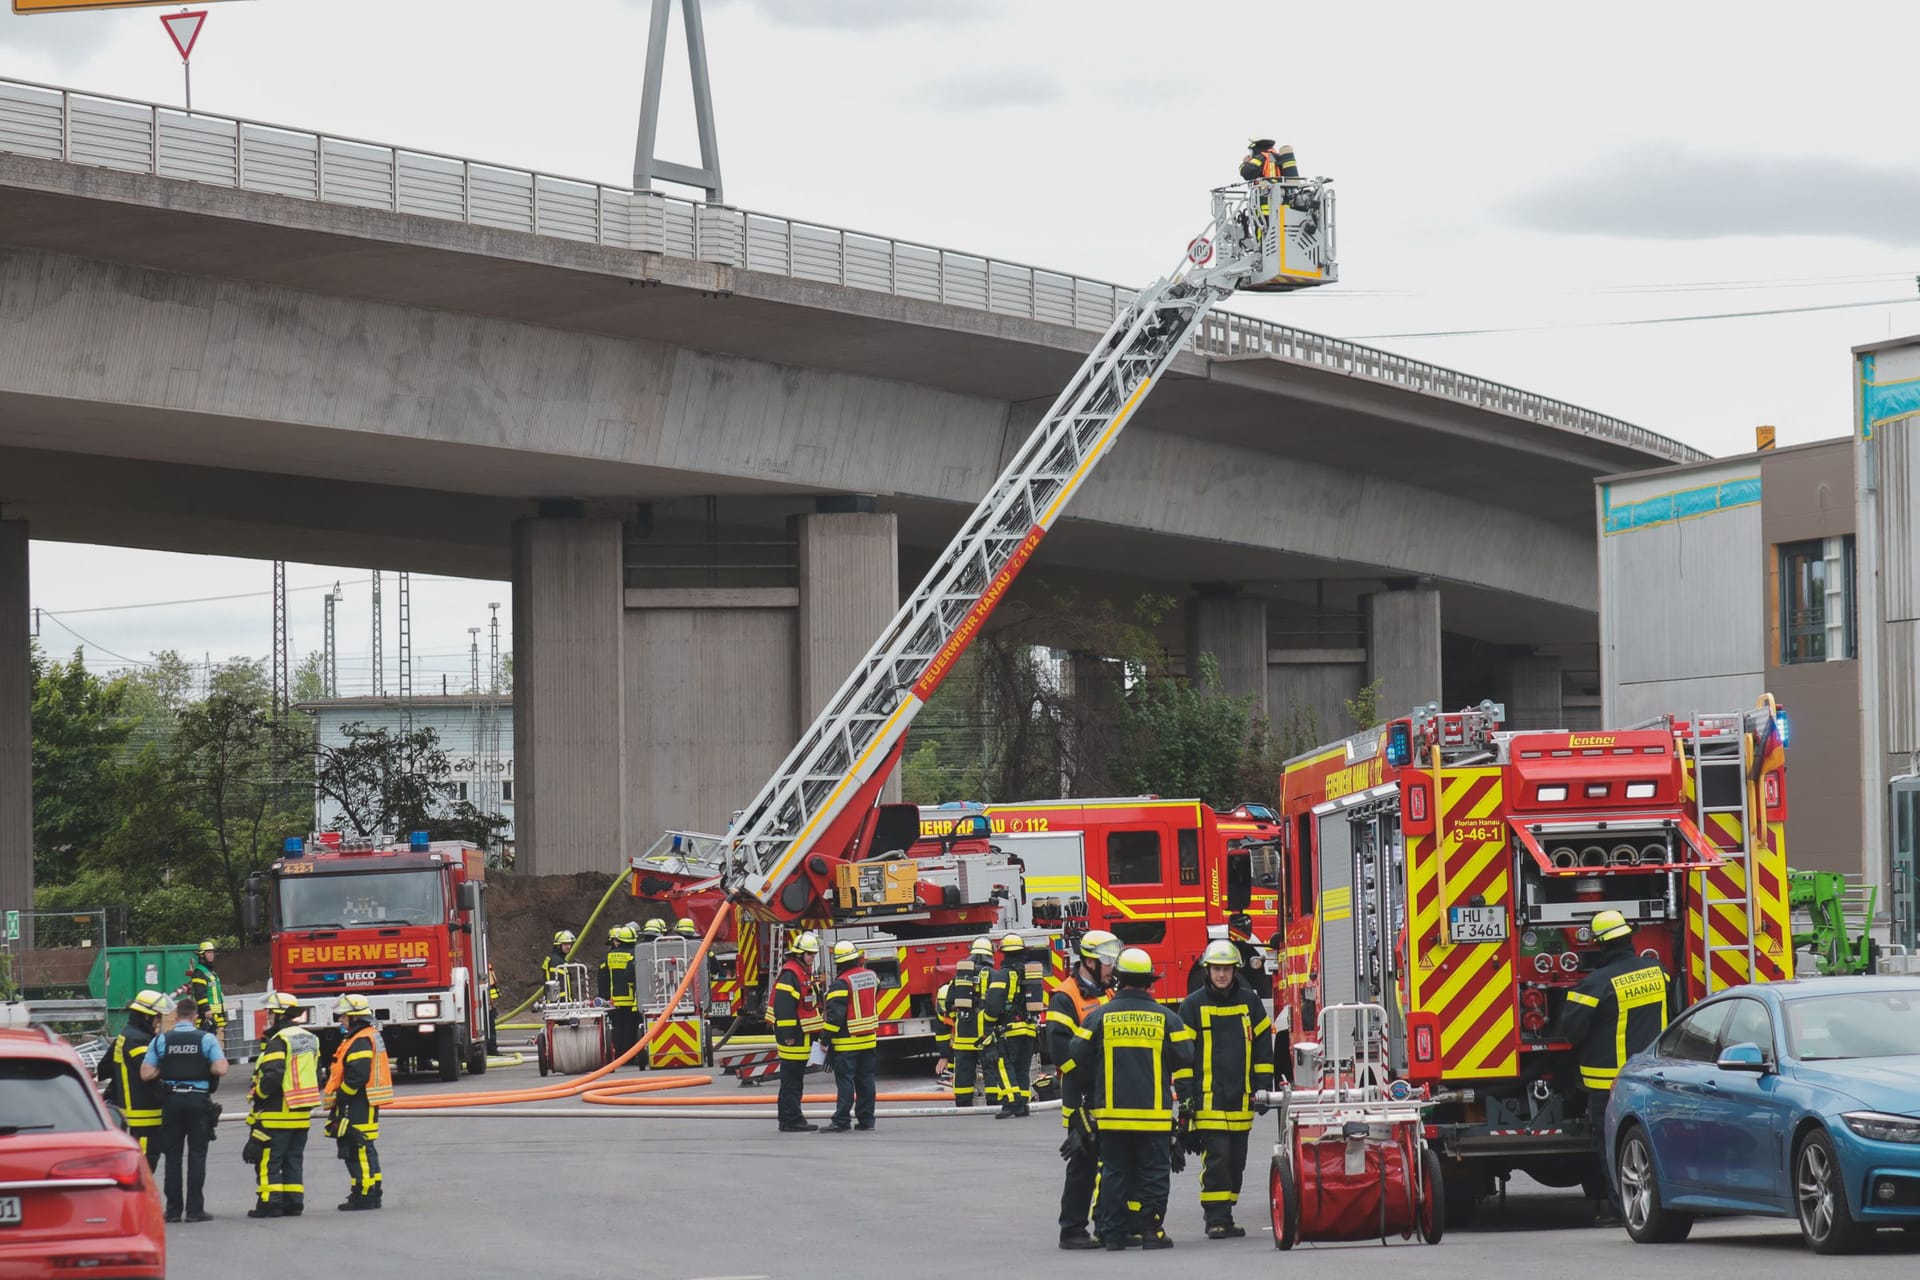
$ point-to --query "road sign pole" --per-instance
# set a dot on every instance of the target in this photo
(186, 73)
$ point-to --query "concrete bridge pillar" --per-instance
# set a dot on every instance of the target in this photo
(1530, 686)
(1403, 648)
(1233, 628)
(16, 723)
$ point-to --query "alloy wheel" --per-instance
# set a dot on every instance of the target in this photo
(1813, 1190)
(1636, 1182)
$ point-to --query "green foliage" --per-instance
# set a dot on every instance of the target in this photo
(309, 681)
(1363, 708)
(1180, 738)
(80, 724)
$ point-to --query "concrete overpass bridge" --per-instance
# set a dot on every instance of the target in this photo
(707, 444)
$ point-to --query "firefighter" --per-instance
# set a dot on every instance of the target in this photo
(1266, 161)
(562, 948)
(360, 1083)
(684, 927)
(793, 1007)
(943, 1034)
(189, 1068)
(493, 1010)
(851, 1016)
(286, 1085)
(653, 930)
(617, 988)
(1617, 1010)
(966, 1001)
(1233, 1059)
(208, 997)
(1074, 997)
(1010, 995)
(1131, 1050)
(138, 1098)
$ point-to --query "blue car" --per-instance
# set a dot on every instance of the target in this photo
(1790, 1099)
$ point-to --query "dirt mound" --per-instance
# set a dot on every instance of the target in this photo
(524, 912)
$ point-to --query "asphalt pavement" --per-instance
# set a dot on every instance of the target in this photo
(635, 1193)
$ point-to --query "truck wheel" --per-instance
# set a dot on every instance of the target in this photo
(447, 1051)
(476, 1057)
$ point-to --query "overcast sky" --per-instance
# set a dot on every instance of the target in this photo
(1544, 172)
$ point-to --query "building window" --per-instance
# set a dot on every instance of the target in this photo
(1803, 602)
(1852, 601)
(460, 791)
(506, 792)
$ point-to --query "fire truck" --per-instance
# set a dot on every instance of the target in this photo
(402, 923)
(1447, 869)
(815, 847)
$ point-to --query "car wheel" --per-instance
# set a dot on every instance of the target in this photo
(1648, 1221)
(1820, 1194)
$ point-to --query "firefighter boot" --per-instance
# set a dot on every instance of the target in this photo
(1155, 1236)
(264, 1209)
(1077, 1238)
(376, 1196)
(354, 1201)
(1226, 1229)
(1006, 1112)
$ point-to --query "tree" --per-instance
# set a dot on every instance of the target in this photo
(80, 726)
(1363, 708)
(388, 783)
(309, 681)
(1179, 738)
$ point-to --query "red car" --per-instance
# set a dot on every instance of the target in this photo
(76, 1197)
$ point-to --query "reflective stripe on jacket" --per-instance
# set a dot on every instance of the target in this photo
(1235, 1054)
(1125, 1058)
(284, 1053)
(852, 1009)
(791, 1011)
(1616, 1011)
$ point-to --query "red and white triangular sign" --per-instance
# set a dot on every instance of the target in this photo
(184, 28)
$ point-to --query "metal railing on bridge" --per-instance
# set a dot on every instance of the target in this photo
(142, 137)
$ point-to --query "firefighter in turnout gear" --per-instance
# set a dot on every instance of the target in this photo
(684, 927)
(1617, 1010)
(562, 948)
(1266, 161)
(1233, 1059)
(493, 1010)
(360, 1083)
(203, 984)
(1131, 1051)
(1074, 997)
(851, 1017)
(286, 1087)
(119, 1071)
(967, 1006)
(1014, 1013)
(653, 930)
(793, 1016)
(617, 988)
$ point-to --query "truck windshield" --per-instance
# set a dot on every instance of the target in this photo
(360, 899)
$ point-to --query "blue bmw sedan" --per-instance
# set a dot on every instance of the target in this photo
(1791, 1099)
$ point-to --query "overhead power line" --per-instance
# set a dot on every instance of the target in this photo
(1615, 324)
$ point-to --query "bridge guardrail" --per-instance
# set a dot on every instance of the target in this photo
(79, 127)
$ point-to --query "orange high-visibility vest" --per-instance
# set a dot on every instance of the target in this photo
(379, 1089)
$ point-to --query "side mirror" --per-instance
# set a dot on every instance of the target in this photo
(470, 895)
(250, 912)
(1744, 1057)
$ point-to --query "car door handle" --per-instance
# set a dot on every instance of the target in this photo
(1711, 1086)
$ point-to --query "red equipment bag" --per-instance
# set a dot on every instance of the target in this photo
(1377, 1200)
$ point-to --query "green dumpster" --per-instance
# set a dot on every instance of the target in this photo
(121, 973)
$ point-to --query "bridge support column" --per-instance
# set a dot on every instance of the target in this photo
(569, 701)
(1531, 689)
(16, 723)
(849, 579)
(1233, 628)
(1403, 649)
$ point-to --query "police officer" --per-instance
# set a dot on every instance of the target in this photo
(562, 948)
(850, 1015)
(1617, 1010)
(210, 1001)
(792, 1004)
(286, 1085)
(1074, 997)
(1234, 1058)
(617, 988)
(138, 1097)
(1010, 995)
(1131, 1050)
(190, 1065)
(966, 1005)
(360, 1083)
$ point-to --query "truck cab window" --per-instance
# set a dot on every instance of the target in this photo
(1133, 857)
(1189, 856)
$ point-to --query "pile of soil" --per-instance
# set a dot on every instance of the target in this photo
(524, 912)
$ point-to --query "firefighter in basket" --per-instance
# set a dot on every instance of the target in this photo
(793, 1009)
(851, 1017)
(1074, 997)
(286, 1087)
(139, 1099)
(1617, 1010)
(1131, 1051)
(1234, 1059)
(1014, 1012)
(1266, 161)
(360, 1083)
(967, 1007)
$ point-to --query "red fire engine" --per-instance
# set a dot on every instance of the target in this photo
(1446, 870)
(403, 924)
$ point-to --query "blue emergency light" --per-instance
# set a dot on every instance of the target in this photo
(293, 844)
(1783, 726)
(417, 840)
(1399, 744)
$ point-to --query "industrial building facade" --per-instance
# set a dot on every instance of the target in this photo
(476, 732)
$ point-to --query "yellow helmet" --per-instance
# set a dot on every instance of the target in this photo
(1135, 963)
(805, 944)
(981, 947)
(686, 928)
(845, 953)
(1220, 951)
(1013, 942)
(1608, 925)
(149, 1002)
(1098, 944)
(623, 933)
(655, 925)
(564, 938)
(207, 946)
(282, 1002)
(352, 1005)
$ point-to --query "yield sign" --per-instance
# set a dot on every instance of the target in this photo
(184, 28)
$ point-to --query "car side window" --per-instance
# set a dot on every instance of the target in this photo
(1749, 1023)
(1694, 1038)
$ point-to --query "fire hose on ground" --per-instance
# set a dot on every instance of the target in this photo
(629, 1096)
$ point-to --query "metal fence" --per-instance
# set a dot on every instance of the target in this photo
(140, 137)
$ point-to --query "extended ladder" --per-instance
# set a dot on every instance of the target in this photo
(1720, 746)
(858, 731)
